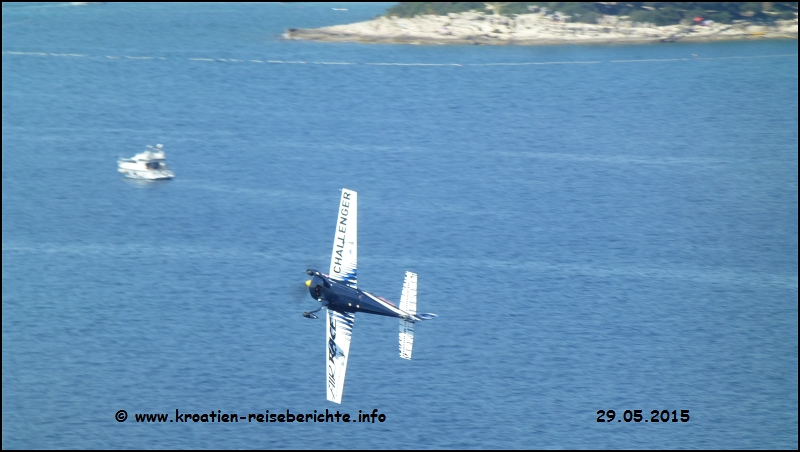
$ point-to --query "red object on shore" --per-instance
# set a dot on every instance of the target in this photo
(698, 19)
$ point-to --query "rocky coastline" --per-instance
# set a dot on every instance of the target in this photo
(534, 29)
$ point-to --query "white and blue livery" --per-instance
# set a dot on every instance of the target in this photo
(339, 293)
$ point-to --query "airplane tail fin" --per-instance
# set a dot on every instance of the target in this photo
(406, 338)
(408, 303)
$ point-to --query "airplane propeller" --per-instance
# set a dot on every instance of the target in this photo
(299, 292)
(301, 295)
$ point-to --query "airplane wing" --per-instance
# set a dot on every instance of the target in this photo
(344, 257)
(339, 330)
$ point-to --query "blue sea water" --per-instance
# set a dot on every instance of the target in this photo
(598, 228)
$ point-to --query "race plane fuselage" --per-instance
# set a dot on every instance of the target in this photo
(344, 298)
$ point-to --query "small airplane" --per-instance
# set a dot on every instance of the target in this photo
(338, 292)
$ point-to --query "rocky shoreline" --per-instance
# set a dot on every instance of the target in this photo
(533, 29)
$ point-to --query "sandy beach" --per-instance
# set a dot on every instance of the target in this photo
(533, 29)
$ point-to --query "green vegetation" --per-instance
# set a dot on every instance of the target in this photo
(411, 9)
(658, 13)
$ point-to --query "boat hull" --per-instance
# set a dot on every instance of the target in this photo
(146, 174)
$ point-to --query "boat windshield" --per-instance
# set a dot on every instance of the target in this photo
(153, 165)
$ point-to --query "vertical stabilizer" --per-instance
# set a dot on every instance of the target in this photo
(408, 303)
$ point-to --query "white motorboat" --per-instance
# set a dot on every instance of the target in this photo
(150, 165)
